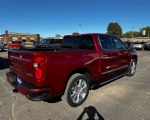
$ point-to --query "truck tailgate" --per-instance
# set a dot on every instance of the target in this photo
(22, 65)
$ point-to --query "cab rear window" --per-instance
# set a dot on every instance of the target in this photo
(79, 42)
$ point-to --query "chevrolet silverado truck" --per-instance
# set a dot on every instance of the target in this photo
(82, 62)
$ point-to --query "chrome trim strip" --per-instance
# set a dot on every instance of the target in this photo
(114, 70)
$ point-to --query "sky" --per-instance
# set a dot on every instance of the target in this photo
(51, 17)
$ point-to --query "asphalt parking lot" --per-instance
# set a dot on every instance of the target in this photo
(127, 98)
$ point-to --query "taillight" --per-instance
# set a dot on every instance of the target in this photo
(39, 71)
(39, 59)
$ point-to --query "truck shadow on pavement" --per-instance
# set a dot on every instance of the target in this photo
(3, 63)
(91, 113)
(54, 100)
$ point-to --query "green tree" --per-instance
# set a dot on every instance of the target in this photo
(147, 29)
(114, 29)
(75, 33)
(38, 36)
(58, 36)
(130, 33)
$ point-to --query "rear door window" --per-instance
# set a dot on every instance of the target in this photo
(106, 42)
(118, 43)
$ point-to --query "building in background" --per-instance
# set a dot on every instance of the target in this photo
(1, 39)
(13, 36)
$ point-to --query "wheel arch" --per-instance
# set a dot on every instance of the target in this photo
(135, 58)
(84, 71)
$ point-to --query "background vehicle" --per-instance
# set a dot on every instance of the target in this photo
(1, 47)
(50, 43)
(138, 46)
(14, 45)
(83, 61)
(6, 47)
(139, 43)
(147, 46)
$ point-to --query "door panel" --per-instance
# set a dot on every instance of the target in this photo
(109, 57)
(109, 62)
(123, 54)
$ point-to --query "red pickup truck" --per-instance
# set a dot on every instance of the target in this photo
(82, 62)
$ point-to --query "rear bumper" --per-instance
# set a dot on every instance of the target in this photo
(29, 90)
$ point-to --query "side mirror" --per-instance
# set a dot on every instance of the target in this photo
(130, 46)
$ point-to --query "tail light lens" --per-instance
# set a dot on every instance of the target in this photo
(39, 59)
(39, 70)
(38, 73)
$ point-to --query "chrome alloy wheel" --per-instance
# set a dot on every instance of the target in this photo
(78, 91)
(133, 68)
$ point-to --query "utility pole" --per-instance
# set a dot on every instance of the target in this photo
(132, 31)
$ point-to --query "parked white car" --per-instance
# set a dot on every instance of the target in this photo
(138, 46)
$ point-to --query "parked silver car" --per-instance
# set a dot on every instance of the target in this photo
(139, 46)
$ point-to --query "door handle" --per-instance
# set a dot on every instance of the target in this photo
(104, 56)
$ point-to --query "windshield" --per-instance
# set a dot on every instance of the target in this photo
(44, 42)
(49, 43)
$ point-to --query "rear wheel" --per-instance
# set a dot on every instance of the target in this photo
(77, 90)
(132, 68)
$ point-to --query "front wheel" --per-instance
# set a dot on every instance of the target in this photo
(77, 90)
(132, 68)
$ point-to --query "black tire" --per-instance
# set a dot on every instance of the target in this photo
(78, 92)
(132, 68)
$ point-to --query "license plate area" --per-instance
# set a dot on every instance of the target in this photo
(13, 79)
(18, 80)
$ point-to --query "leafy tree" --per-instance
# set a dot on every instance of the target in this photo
(147, 29)
(75, 33)
(58, 36)
(114, 29)
(131, 34)
(49, 37)
(38, 36)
